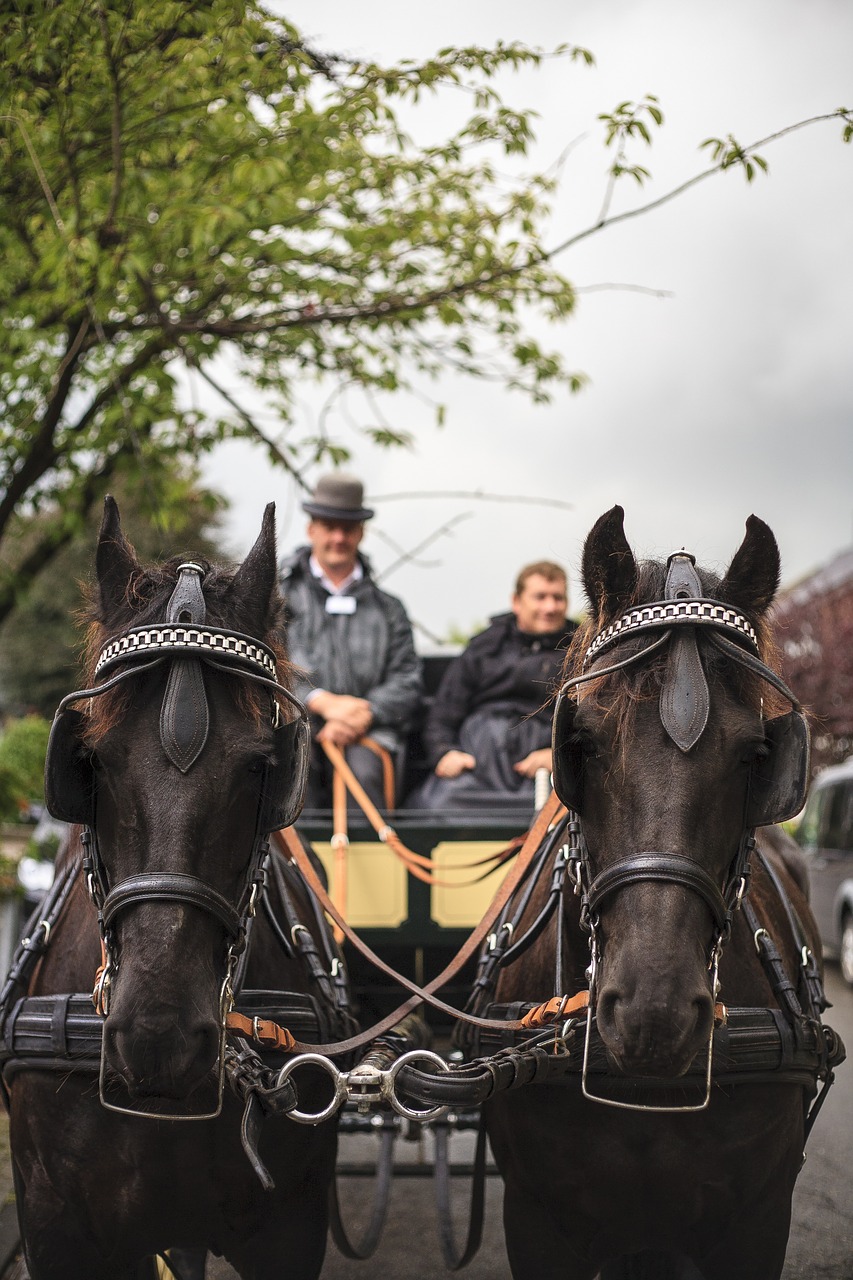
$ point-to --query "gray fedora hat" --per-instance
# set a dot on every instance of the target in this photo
(338, 497)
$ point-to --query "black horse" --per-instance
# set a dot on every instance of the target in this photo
(674, 739)
(187, 752)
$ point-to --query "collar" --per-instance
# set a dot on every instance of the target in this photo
(334, 589)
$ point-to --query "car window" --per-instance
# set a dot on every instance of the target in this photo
(844, 829)
(809, 831)
(836, 824)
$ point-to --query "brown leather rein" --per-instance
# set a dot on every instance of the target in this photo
(557, 1009)
(291, 847)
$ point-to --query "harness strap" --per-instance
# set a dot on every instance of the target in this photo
(455, 1259)
(811, 984)
(365, 1247)
(340, 848)
(263, 1030)
(34, 943)
(554, 1009)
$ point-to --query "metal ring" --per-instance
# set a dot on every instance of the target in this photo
(307, 1117)
(759, 933)
(390, 1091)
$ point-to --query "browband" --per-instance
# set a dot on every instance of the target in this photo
(674, 613)
(188, 640)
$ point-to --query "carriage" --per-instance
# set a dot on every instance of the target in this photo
(636, 1008)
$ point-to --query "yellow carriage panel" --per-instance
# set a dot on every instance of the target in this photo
(376, 885)
(463, 906)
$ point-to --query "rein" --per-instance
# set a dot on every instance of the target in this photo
(416, 864)
(291, 846)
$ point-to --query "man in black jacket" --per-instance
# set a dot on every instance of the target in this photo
(489, 728)
(353, 642)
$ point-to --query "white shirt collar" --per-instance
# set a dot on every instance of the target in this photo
(332, 588)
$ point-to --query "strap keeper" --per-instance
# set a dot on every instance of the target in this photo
(340, 840)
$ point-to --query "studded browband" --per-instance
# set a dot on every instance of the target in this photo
(673, 613)
(187, 640)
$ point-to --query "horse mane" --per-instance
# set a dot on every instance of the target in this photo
(618, 694)
(146, 596)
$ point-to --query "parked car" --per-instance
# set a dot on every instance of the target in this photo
(825, 835)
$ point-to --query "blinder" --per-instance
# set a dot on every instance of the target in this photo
(777, 785)
(69, 776)
(779, 781)
(567, 756)
(284, 791)
(69, 768)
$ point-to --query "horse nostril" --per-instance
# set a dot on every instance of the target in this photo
(607, 1008)
(110, 1041)
(704, 1006)
(208, 1038)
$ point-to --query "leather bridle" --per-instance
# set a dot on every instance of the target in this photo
(183, 642)
(684, 712)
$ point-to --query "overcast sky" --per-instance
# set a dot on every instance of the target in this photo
(733, 395)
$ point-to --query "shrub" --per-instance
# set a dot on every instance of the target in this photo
(23, 747)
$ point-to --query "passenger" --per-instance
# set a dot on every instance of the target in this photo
(488, 730)
(360, 674)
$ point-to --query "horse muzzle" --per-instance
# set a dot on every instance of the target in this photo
(168, 1056)
(658, 1036)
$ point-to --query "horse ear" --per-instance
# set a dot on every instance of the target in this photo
(752, 577)
(115, 560)
(255, 580)
(609, 568)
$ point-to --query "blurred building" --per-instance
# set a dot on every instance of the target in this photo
(814, 631)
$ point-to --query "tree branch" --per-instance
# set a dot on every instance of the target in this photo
(59, 535)
(42, 453)
(408, 556)
(393, 306)
(246, 419)
(477, 494)
(107, 229)
(840, 114)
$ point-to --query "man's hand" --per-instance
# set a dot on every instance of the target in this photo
(540, 759)
(338, 734)
(452, 763)
(354, 712)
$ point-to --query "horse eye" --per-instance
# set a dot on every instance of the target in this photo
(584, 743)
(756, 751)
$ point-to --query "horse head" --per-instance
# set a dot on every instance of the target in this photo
(668, 745)
(187, 752)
